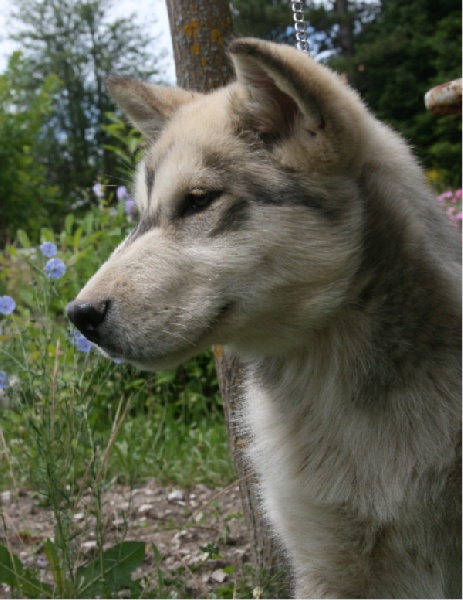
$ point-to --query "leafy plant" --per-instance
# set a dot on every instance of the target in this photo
(27, 199)
(102, 577)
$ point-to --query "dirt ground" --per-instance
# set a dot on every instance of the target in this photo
(181, 523)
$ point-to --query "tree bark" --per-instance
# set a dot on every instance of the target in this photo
(346, 39)
(268, 558)
(200, 31)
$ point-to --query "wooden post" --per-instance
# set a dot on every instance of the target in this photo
(200, 31)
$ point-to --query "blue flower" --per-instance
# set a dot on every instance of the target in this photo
(7, 305)
(48, 249)
(3, 379)
(117, 361)
(98, 190)
(121, 193)
(55, 268)
(81, 342)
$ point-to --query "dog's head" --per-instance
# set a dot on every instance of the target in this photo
(250, 214)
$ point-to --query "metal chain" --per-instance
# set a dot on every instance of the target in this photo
(299, 26)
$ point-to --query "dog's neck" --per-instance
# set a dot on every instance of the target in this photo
(318, 408)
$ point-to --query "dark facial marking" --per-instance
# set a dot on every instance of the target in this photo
(232, 218)
(291, 193)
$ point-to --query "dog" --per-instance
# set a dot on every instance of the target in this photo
(279, 218)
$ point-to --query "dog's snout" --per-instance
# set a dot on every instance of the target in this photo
(87, 316)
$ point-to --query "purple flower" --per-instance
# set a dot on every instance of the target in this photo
(458, 194)
(7, 305)
(81, 342)
(98, 190)
(130, 207)
(3, 380)
(122, 193)
(55, 268)
(48, 249)
(117, 361)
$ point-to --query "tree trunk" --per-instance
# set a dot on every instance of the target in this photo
(268, 559)
(346, 39)
(200, 31)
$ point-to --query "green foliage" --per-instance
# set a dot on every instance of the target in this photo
(400, 51)
(80, 44)
(260, 18)
(111, 572)
(26, 198)
(126, 144)
(412, 47)
(102, 577)
(23, 580)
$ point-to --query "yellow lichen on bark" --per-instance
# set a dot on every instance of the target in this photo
(216, 36)
(191, 29)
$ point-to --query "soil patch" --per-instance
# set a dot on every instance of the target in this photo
(199, 533)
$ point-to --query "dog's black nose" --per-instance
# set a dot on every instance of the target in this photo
(87, 316)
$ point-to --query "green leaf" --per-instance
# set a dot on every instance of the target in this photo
(13, 574)
(23, 238)
(47, 235)
(133, 144)
(10, 567)
(52, 555)
(113, 570)
(77, 236)
(68, 223)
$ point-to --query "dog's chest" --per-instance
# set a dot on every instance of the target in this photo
(311, 446)
(298, 442)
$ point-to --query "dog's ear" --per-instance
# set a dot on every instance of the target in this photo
(288, 95)
(147, 106)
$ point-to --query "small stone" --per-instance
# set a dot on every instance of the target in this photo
(78, 516)
(143, 508)
(175, 495)
(219, 575)
(89, 545)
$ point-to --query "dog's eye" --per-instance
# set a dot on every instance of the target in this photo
(198, 200)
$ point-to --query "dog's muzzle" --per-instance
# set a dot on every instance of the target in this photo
(88, 316)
